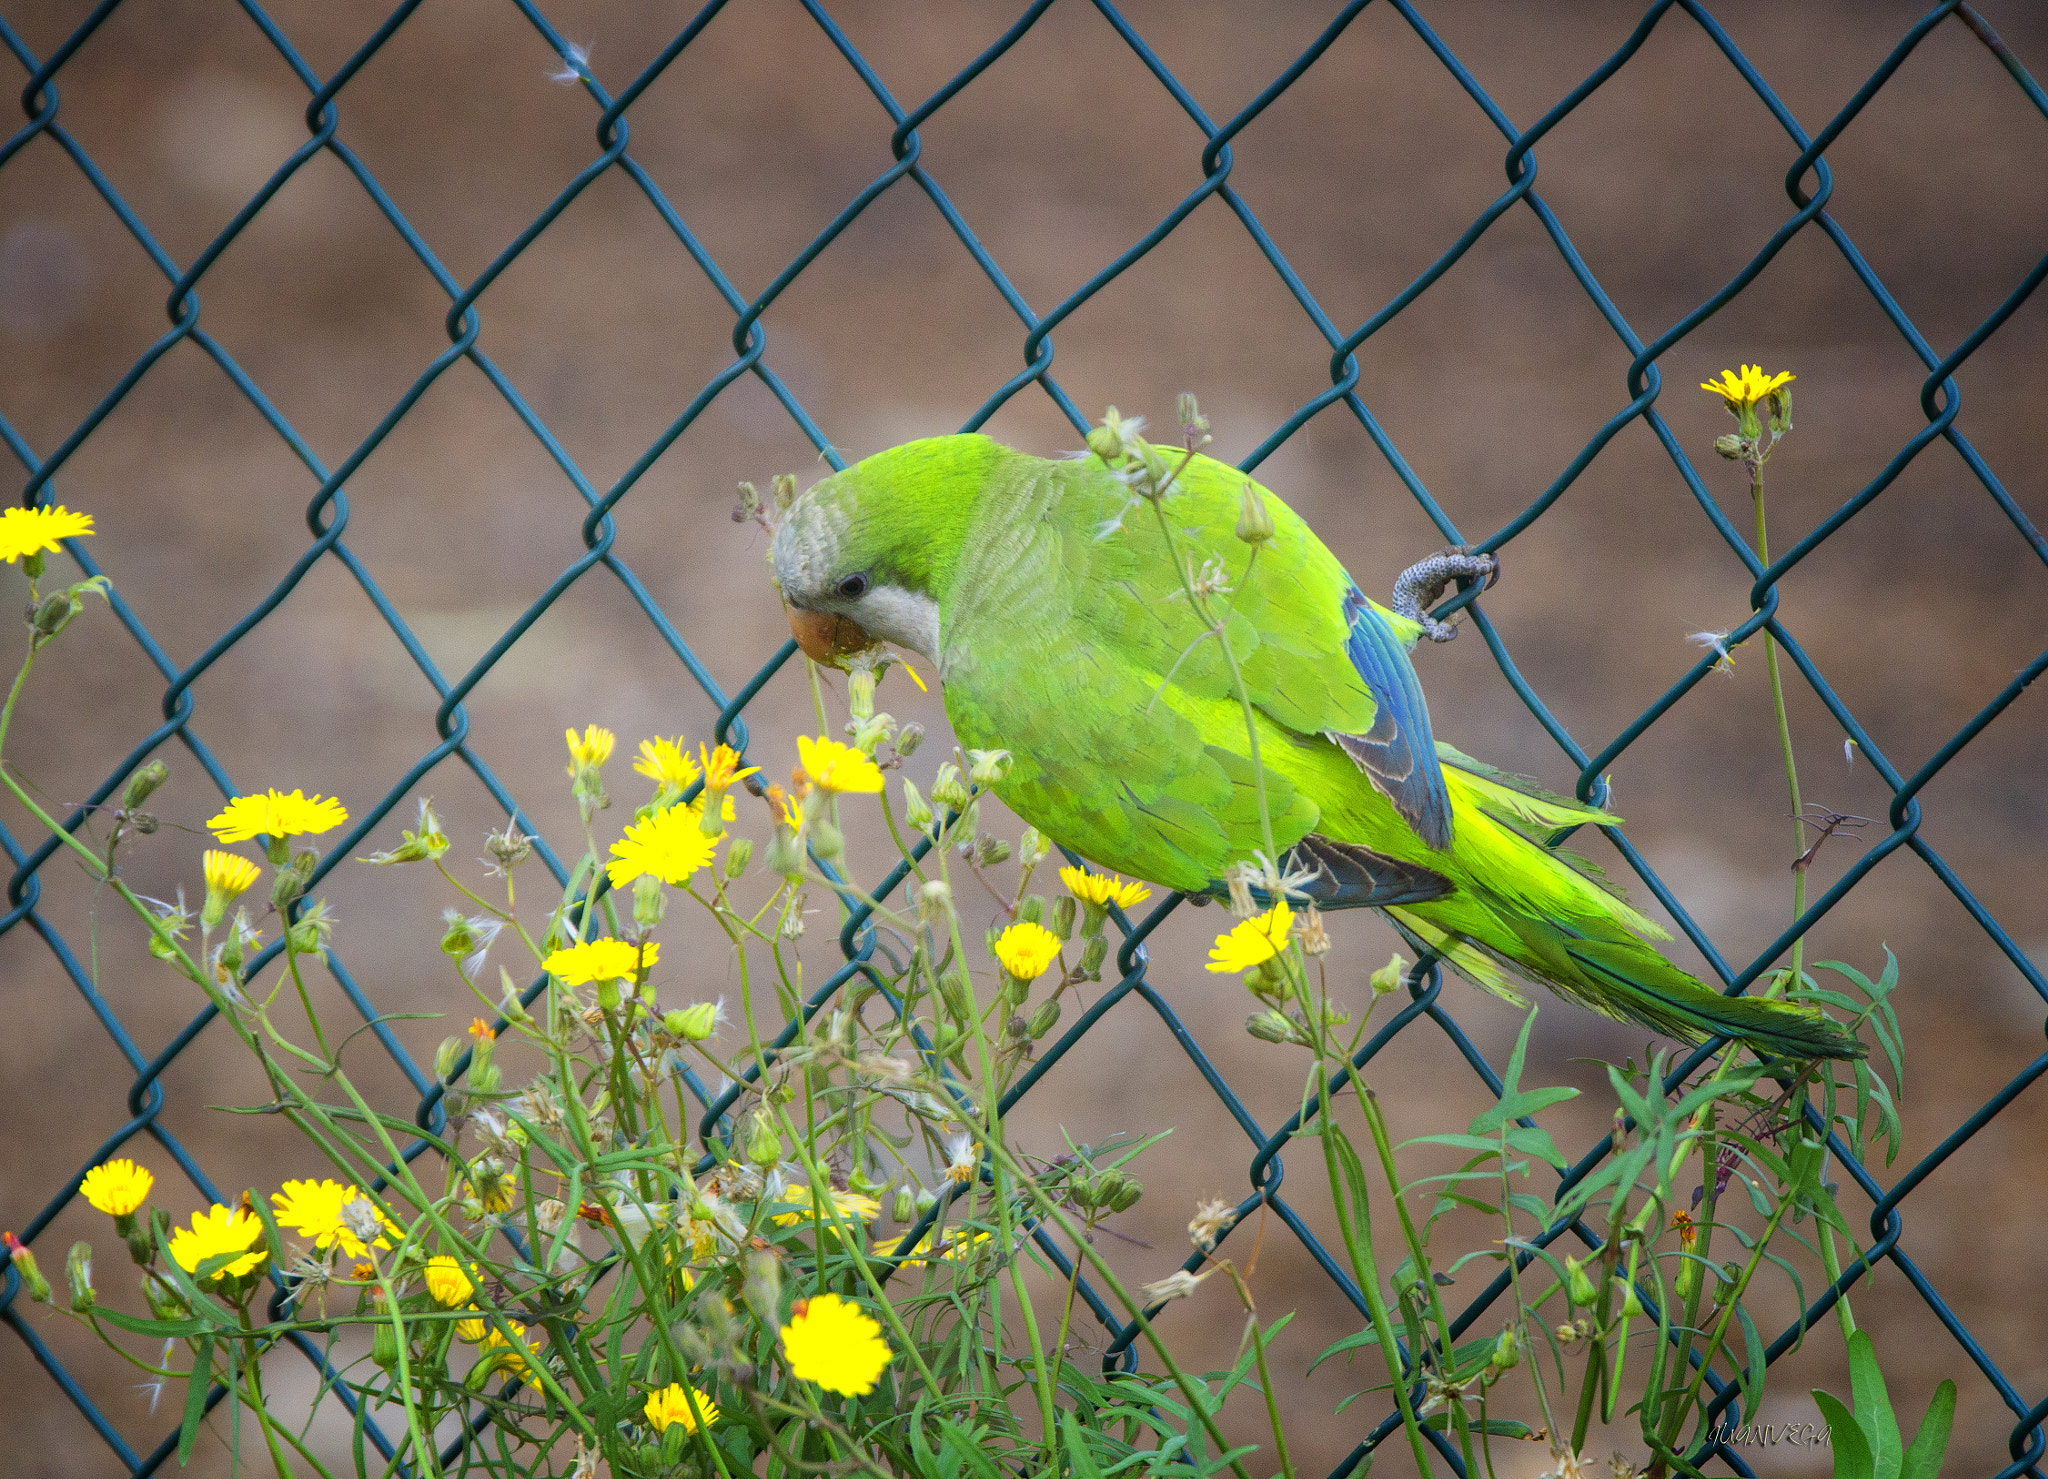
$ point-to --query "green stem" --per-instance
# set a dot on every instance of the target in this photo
(1763, 552)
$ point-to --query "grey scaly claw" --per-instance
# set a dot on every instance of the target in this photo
(1421, 583)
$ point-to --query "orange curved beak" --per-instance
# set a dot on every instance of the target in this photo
(826, 638)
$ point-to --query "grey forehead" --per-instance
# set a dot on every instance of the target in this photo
(807, 545)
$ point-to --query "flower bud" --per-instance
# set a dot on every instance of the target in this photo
(935, 906)
(916, 810)
(306, 937)
(1105, 443)
(1063, 911)
(1507, 1351)
(1194, 426)
(948, 789)
(904, 1207)
(1387, 978)
(1126, 1194)
(1578, 1286)
(1254, 519)
(509, 848)
(694, 1023)
(1032, 848)
(1043, 1020)
(785, 854)
(1092, 955)
(989, 851)
(384, 1344)
(1031, 909)
(764, 1142)
(785, 490)
(749, 506)
(165, 1302)
(737, 856)
(827, 841)
(25, 1264)
(1729, 445)
(908, 739)
(650, 902)
(49, 617)
(1631, 1304)
(860, 693)
(446, 1057)
(1724, 1288)
(459, 940)
(1779, 404)
(764, 1287)
(144, 781)
(1272, 1026)
(988, 767)
(78, 1273)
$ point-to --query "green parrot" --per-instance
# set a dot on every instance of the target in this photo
(1048, 597)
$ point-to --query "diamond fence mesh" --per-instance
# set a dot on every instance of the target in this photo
(695, 643)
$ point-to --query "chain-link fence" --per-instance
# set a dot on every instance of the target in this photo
(1799, 154)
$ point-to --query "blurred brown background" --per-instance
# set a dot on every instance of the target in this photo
(1060, 157)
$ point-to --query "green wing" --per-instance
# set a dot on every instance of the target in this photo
(1069, 640)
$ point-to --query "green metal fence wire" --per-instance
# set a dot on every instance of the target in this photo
(1808, 183)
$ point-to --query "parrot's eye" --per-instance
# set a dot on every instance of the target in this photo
(854, 587)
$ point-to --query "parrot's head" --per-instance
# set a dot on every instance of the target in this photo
(867, 555)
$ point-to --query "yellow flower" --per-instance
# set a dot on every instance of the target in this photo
(671, 1405)
(318, 1211)
(447, 1282)
(670, 844)
(481, 1030)
(220, 1230)
(486, 1345)
(833, 1342)
(592, 749)
(25, 531)
(1104, 889)
(493, 1187)
(836, 767)
(599, 960)
(1026, 949)
(1257, 939)
(274, 814)
(960, 1243)
(667, 763)
(854, 1207)
(472, 1331)
(787, 809)
(228, 875)
(722, 768)
(116, 1188)
(1747, 388)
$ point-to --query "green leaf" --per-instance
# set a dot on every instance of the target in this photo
(155, 1329)
(1852, 1451)
(1923, 1459)
(1536, 1141)
(1358, 1341)
(196, 1387)
(1874, 1415)
(1458, 1142)
(1752, 1379)
(1497, 1427)
(1515, 1106)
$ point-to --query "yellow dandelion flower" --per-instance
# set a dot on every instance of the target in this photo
(590, 749)
(786, 808)
(472, 1331)
(447, 1282)
(1255, 940)
(722, 768)
(216, 1231)
(1747, 388)
(319, 1212)
(1026, 949)
(490, 1345)
(667, 763)
(493, 1187)
(671, 845)
(481, 1030)
(228, 875)
(116, 1188)
(272, 813)
(832, 766)
(671, 1405)
(27, 531)
(854, 1207)
(835, 1343)
(1104, 889)
(600, 960)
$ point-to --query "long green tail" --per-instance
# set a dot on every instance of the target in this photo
(1522, 909)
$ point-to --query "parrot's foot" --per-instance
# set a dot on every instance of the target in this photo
(1421, 583)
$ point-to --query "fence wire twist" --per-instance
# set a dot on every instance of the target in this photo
(1808, 183)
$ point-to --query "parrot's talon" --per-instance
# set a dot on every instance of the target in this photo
(1419, 586)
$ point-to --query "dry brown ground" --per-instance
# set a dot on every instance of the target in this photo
(1063, 155)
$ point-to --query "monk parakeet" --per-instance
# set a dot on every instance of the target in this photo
(1045, 593)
